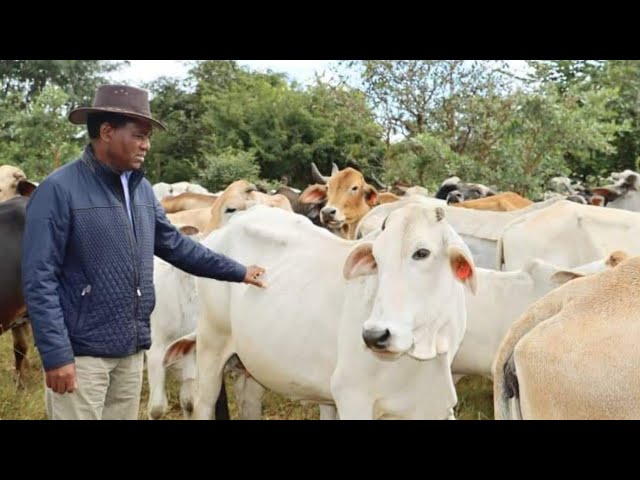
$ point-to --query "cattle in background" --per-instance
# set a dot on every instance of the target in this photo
(311, 349)
(187, 201)
(574, 353)
(13, 183)
(563, 187)
(501, 298)
(501, 202)
(309, 210)
(453, 190)
(13, 310)
(346, 198)
(239, 195)
(624, 193)
(181, 187)
(399, 189)
(567, 234)
(161, 190)
(480, 229)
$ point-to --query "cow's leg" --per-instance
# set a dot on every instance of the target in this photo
(352, 402)
(353, 405)
(188, 386)
(210, 361)
(328, 412)
(20, 335)
(156, 375)
(248, 395)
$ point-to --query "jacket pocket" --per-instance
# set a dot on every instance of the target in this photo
(84, 301)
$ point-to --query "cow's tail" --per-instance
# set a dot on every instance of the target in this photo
(506, 392)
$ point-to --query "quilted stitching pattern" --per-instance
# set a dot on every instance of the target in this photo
(110, 319)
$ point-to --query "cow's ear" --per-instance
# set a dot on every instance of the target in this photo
(360, 262)
(370, 195)
(189, 230)
(26, 188)
(314, 194)
(461, 261)
(616, 258)
(632, 181)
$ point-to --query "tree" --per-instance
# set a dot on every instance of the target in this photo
(225, 108)
(39, 138)
(77, 78)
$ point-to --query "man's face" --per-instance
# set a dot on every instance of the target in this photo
(128, 145)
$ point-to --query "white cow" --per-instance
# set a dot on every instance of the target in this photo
(568, 234)
(401, 292)
(180, 187)
(162, 189)
(624, 193)
(500, 300)
(175, 315)
(480, 229)
(177, 307)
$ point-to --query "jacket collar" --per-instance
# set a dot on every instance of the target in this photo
(107, 173)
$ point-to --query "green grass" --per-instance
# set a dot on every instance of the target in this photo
(474, 395)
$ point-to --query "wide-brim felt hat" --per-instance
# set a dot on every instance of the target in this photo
(122, 99)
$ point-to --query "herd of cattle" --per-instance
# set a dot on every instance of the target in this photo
(379, 299)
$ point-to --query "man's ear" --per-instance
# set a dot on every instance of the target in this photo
(106, 132)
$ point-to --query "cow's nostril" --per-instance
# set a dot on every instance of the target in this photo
(329, 212)
(376, 338)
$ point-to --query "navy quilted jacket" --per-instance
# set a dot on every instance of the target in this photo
(88, 274)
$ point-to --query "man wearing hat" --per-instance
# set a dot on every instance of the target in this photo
(93, 227)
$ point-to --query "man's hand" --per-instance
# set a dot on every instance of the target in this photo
(62, 379)
(253, 274)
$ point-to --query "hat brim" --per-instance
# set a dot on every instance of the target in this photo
(79, 115)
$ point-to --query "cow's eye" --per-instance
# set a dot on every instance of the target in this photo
(421, 254)
(230, 210)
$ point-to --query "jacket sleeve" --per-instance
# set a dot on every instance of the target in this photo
(190, 256)
(43, 248)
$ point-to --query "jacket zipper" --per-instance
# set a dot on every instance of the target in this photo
(82, 307)
(132, 243)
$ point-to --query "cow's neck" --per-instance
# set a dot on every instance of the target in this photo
(348, 231)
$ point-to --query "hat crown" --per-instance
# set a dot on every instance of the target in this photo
(125, 98)
(122, 99)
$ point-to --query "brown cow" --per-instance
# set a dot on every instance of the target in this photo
(574, 353)
(187, 201)
(501, 202)
(348, 198)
